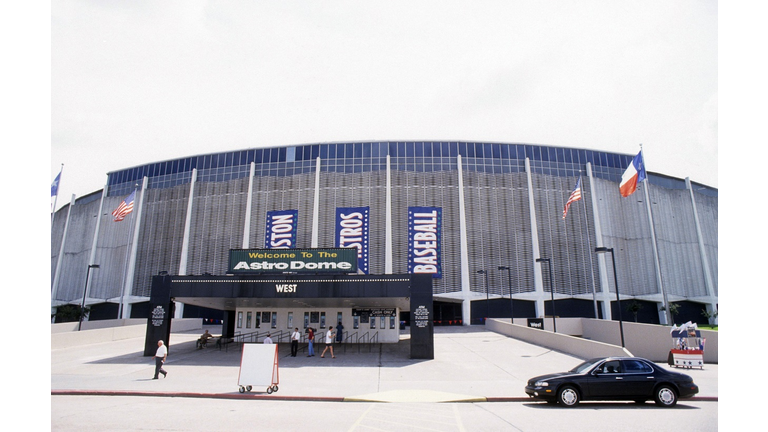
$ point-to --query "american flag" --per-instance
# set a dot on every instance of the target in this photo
(124, 208)
(575, 196)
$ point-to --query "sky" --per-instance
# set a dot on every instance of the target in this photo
(145, 81)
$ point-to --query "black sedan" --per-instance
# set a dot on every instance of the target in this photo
(613, 378)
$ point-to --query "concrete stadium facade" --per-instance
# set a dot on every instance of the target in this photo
(500, 207)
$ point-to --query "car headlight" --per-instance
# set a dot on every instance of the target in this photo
(541, 384)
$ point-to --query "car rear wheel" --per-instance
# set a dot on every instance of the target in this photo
(665, 396)
(568, 397)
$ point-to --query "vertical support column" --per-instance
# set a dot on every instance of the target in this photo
(248, 209)
(187, 226)
(134, 252)
(57, 275)
(92, 257)
(185, 241)
(316, 207)
(95, 241)
(708, 283)
(537, 278)
(388, 223)
(466, 292)
(605, 292)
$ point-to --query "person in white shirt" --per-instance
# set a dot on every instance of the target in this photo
(160, 356)
(268, 339)
(328, 342)
(295, 337)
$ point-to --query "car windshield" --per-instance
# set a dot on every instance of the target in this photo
(583, 367)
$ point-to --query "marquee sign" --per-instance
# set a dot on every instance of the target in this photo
(339, 260)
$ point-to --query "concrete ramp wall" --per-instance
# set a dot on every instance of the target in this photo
(65, 335)
(588, 338)
(575, 346)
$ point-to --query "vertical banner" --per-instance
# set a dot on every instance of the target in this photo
(425, 226)
(281, 229)
(352, 231)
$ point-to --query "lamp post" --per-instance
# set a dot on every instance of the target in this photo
(511, 305)
(616, 283)
(487, 297)
(85, 291)
(551, 290)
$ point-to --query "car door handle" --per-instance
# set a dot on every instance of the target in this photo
(619, 378)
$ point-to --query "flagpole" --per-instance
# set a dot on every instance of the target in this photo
(56, 199)
(654, 244)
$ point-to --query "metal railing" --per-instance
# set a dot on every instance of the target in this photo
(239, 339)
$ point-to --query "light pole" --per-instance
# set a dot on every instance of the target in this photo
(616, 283)
(551, 290)
(487, 297)
(85, 291)
(511, 305)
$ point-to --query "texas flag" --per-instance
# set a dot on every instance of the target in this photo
(634, 174)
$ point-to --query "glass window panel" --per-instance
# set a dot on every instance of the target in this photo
(545, 154)
(469, 149)
(496, 148)
(487, 150)
(418, 149)
(560, 154)
(410, 150)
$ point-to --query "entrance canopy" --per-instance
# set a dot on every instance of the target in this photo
(411, 292)
(228, 293)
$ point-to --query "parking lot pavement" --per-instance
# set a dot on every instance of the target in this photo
(471, 364)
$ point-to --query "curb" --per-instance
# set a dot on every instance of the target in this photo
(240, 396)
(194, 395)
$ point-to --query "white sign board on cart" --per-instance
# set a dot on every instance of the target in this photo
(258, 367)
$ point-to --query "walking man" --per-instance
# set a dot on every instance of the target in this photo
(160, 356)
(295, 336)
(328, 342)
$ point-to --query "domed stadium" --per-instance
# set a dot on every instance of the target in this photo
(505, 230)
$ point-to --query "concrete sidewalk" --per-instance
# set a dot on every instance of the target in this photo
(471, 365)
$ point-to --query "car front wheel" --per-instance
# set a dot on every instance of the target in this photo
(665, 396)
(568, 397)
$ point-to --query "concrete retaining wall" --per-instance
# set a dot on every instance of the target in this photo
(642, 340)
(66, 335)
(575, 346)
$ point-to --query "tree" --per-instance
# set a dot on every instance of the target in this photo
(711, 316)
(70, 313)
(673, 310)
(634, 308)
